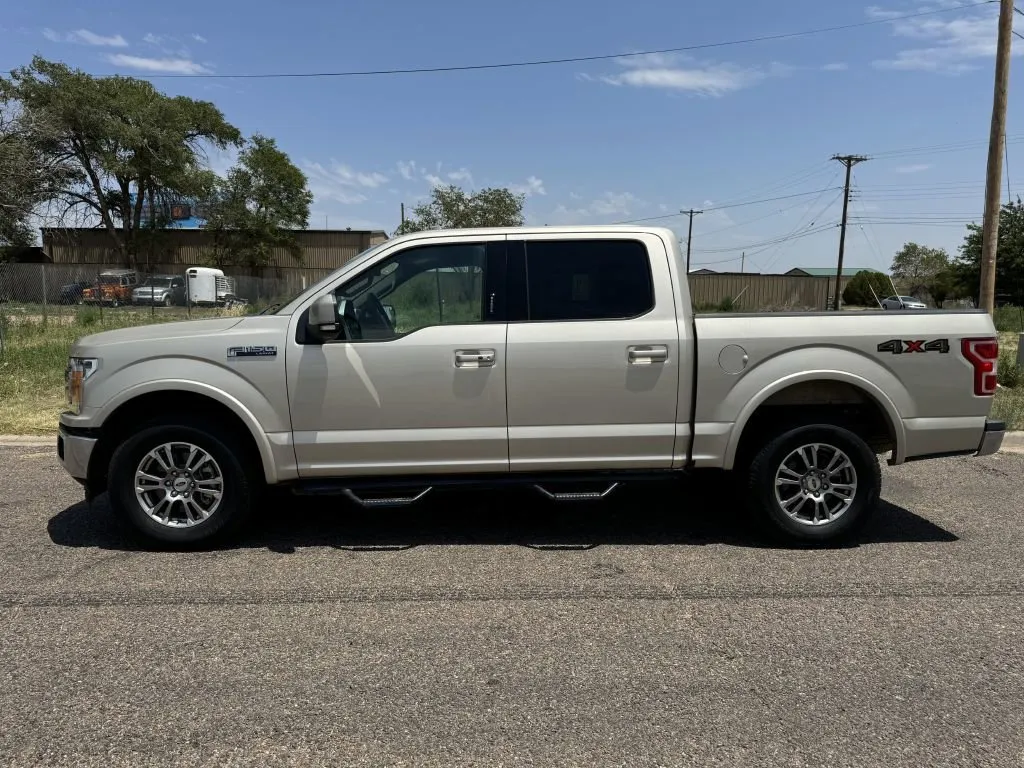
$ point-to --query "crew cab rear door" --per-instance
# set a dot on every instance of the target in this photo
(593, 353)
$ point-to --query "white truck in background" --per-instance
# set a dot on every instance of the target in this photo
(567, 359)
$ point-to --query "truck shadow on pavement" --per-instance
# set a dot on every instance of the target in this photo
(691, 513)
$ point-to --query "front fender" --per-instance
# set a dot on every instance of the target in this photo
(252, 423)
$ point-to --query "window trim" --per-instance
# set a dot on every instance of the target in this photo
(495, 270)
(518, 265)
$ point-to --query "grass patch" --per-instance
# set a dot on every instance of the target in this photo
(32, 367)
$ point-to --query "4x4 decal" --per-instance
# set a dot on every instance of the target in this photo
(901, 346)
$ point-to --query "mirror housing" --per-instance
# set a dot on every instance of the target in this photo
(323, 318)
(389, 310)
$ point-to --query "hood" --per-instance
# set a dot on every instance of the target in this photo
(155, 332)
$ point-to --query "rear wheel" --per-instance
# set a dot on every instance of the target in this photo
(181, 483)
(817, 483)
(167, 300)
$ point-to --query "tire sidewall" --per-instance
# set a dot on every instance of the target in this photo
(235, 502)
(864, 461)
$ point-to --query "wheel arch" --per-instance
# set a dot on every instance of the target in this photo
(141, 403)
(821, 393)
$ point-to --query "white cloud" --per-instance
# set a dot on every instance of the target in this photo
(836, 66)
(462, 174)
(680, 73)
(532, 186)
(168, 66)
(434, 180)
(345, 175)
(407, 170)
(199, 38)
(918, 168)
(610, 205)
(325, 183)
(152, 39)
(944, 45)
(85, 37)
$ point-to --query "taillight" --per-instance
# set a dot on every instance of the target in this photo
(982, 354)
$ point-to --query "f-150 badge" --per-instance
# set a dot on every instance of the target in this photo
(252, 351)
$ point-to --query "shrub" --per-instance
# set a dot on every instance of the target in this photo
(88, 316)
(858, 290)
(1008, 370)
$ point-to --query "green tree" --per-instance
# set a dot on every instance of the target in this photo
(117, 140)
(451, 207)
(916, 267)
(858, 291)
(1009, 257)
(257, 207)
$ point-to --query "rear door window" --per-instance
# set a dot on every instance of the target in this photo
(587, 280)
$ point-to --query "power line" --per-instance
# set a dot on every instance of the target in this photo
(768, 243)
(576, 59)
(724, 207)
(773, 257)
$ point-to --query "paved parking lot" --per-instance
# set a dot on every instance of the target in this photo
(498, 630)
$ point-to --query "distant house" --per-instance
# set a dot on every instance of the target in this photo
(704, 271)
(827, 271)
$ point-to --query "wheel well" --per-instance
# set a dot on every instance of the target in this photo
(817, 402)
(130, 416)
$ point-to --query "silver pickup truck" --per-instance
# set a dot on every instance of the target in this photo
(566, 359)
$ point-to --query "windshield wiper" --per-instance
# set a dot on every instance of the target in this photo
(271, 308)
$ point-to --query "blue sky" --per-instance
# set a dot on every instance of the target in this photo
(595, 142)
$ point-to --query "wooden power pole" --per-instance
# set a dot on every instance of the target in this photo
(849, 161)
(990, 226)
(689, 235)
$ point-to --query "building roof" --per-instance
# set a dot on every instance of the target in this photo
(828, 271)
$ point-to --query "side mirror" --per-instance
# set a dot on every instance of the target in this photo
(323, 318)
(389, 310)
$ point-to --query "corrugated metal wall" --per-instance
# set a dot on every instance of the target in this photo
(322, 249)
(763, 292)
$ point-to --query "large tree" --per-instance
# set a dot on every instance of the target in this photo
(257, 207)
(451, 207)
(28, 178)
(118, 140)
(917, 267)
(1009, 257)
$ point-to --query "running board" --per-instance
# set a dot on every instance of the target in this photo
(576, 495)
(377, 502)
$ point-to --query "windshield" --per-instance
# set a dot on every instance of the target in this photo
(157, 282)
(109, 279)
(288, 305)
(907, 298)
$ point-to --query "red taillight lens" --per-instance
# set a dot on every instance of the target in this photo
(982, 354)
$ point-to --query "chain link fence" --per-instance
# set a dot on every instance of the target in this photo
(33, 293)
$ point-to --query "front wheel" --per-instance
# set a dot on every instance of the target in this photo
(181, 483)
(817, 483)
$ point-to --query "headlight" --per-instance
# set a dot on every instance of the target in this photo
(79, 369)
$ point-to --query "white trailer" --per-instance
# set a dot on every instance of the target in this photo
(210, 287)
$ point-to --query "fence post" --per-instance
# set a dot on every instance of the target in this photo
(42, 268)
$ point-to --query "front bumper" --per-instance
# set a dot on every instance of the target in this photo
(992, 438)
(74, 452)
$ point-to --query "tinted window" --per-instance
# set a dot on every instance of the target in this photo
(431, 285)
(587, 279)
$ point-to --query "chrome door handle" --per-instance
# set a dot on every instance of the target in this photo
(474, 358)
(645, 355)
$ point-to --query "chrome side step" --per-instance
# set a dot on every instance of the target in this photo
(384, 501)
(576, 495)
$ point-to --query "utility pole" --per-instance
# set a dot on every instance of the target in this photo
(990, 226)
(743, 261)
(849, 161)
(403, 215)
(689, 235)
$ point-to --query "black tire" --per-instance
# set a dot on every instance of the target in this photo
(167, 300)
(761, 488)
(239, 483)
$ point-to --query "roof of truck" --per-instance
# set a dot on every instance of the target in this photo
(576, 229)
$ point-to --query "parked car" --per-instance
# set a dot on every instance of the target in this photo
(164, 290)
(903, 302)
(564, 359)
(71, 293)
(113, 287)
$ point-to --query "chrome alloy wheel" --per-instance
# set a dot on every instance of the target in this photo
(815, 484)
(178, 485)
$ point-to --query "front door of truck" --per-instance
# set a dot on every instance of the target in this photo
(416, 382)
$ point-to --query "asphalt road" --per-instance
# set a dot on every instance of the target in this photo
(497, 630)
